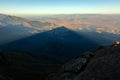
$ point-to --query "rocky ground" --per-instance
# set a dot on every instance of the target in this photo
(99, 64)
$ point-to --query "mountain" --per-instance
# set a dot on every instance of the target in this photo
(98, 64)
(6, 20)
(59, 42)
(13, 28)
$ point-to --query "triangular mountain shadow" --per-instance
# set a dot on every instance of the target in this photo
(60, 42)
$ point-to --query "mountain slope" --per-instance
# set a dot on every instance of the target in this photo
(104, 66)
(6, 20)
(13, 28)
(100, 64)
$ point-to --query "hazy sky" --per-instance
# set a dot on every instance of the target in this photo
(31, 7)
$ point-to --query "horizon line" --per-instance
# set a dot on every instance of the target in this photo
(65, 14)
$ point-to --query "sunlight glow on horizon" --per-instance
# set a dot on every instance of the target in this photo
(48, 7)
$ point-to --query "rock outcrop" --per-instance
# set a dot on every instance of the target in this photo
(100, 64)
(71, 69)
(104, 66)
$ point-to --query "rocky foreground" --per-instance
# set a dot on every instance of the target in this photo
(100, 64)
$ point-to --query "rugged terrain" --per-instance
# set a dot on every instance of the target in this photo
(99, 64)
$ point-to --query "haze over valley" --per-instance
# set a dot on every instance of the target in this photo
(81, 23)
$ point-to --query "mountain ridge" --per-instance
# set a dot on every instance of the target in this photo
(8, 25)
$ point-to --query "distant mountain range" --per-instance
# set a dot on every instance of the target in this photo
(13, 28)
(6, 20)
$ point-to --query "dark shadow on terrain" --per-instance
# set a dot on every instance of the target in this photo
(37, 56)
(61, 43)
